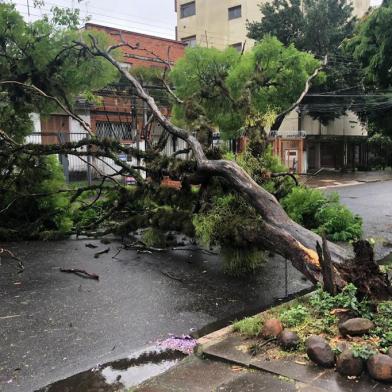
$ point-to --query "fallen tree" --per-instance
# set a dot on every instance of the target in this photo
(278, 232)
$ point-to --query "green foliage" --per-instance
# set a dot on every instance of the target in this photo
(339, 223)
(46, 215)
(234, 93)
(42, 53)
(323, 302)
(322, 214)
(153, 237)
(302, 205)
(298, 22)
(294, 316)
(372, 47)
(383, 321)
(226, 222)
(242, 261)
(363, 352)
(260, 167)
(249, 326)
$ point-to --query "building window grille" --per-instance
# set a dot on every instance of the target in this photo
(114, 130)
(235, 12)
(190, 41)
(188, 9)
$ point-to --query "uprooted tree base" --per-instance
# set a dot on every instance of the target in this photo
(364, 272)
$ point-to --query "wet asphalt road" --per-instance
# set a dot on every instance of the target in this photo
(372, 201)
(53, 324)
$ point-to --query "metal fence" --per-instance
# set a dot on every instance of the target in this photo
(85, 168)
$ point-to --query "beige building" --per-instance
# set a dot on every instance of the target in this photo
(222, 23)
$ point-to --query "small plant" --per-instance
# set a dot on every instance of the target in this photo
(383, 322)
(249, 326)
(363, 352)
(323, 302)
(294, 316)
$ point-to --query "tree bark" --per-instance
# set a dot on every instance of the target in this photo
(327, 269)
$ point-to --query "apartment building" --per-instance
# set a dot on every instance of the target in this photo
(222, 23)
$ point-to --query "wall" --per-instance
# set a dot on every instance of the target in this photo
(157, 47)
(348, 125)
(213, 28)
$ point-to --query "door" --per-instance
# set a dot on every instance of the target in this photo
(52, 126)
(291, 159)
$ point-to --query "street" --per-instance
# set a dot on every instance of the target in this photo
(53, 324)
(372, 201)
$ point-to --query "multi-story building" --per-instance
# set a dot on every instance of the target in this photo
(302, 142)
(222, 23)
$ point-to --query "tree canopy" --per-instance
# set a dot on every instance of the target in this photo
(43, 54)
(235, 92)
(39, 56)
(318, 26)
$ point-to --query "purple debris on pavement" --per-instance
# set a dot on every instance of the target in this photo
(184, 343)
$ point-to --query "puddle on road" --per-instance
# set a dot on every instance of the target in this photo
(116, 375)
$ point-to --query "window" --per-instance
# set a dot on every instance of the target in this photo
(235, 12)
(114, 130)
(237, 46)
(188, 9)
(190, 41)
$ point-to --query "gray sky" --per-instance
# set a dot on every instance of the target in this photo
(155, 17)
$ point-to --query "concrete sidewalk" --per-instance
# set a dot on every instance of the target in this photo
(224, 364)
(331, 179)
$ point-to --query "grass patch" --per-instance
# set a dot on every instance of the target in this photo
(249, 326)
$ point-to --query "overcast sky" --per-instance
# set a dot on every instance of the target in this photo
(155, 17)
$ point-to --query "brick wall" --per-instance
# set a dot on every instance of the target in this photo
(163, 48)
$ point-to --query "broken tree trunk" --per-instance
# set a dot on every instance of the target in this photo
(327, 269)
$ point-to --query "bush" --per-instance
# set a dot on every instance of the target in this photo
(32, 217)
(338, 223)
(322, 214)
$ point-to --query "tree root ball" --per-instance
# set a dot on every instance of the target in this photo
(380, 367)
(271, 328)
(348, 365)
(320, 352)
